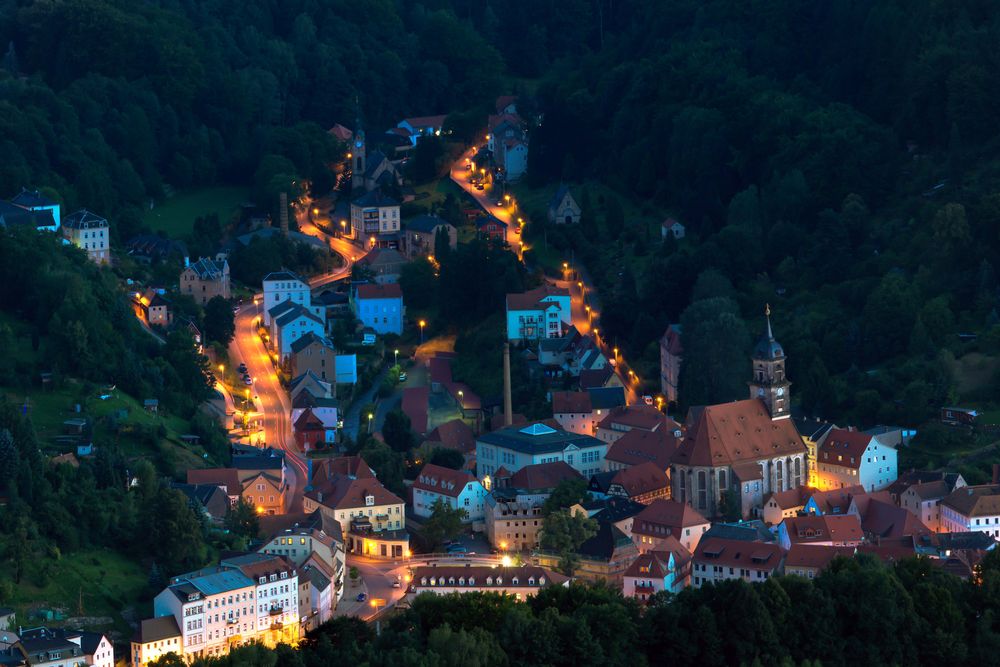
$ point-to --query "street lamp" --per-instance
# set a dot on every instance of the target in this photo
(222, 368)
(507, 198)
(395, 357)
(616, 353)
(371, 416)
(422, 325)
(315, 211)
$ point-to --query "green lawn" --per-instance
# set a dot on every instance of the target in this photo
(436, 192)
(49, 409)
(176, 215)
(109, 584)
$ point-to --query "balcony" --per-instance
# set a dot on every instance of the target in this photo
(276, 611)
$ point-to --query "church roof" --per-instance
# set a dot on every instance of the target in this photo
(737, 432)
(768, 349)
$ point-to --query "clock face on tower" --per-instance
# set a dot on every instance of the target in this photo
(760, 391)
(358, 143)
(781, 391)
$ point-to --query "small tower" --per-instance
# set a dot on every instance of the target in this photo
(358, 155)
(769, 382)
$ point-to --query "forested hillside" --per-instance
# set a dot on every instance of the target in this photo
(835, 160)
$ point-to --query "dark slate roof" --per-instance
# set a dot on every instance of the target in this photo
(558, 196)
(603, 544)
(11, 216)
(767, 348)
(32, 199)
(308, 339)
(425, 223)
(615, 509)
(84, 219)
(746, 531)
(605, 398)
(812, 429)
(284, 274)
(537, 439)
(375, 198)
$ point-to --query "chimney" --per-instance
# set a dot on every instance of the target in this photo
(508, 416)
(283, 213)
(996, 473)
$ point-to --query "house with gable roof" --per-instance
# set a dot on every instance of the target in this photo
(563, 209)
(289, 322)
(718, 559)
(544, 312)
(515, 447)
(379, 307)
(458, 489)
(206, 279)
(972, 508)
(654, 572)
(46, 211)
(642, 483)
(513, 509)
(924, 499)
(422, 126)
(848, 457)
(827, 530)
(375, 219)
(665, 518)
(421, 235)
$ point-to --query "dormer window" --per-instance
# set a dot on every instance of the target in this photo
(489, 581)
(284, 575)
(472, 581)
(461, 581)
(262, 580)
(514, 581)
(423, 581)
(541, 581)
(531, 581)
(369, 500)
(451, 581)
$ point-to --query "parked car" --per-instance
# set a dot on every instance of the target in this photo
(402, 376)
(396, 584)
(247, 380)
(361, 597)
(242, 369)
(480, 187)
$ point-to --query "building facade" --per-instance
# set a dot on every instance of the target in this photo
(375, 219)
(671, 356)
(457, 489)
(379, 307)
(90, 233)
(849, 457)
(205, 280)
(544, 312)
(515, 447)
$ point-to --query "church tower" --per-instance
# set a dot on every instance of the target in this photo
(358, 162)
(769, 383)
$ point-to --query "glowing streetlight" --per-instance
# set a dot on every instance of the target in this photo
(315, 211)
(505, 561)
(565, 266)
(422, 325)
(395, 357)
(503, 546)
(506, 198)
(616, 352)
(222, 368)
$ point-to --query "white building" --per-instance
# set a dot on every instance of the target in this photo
(90, 233)
(518, 582)
(849, 457)
(35, 201)
(243, 599)
(291, 321)
(544, 312)
(515, 447)
(924, 499)
(379, 307)
(455, 488)
(282, 286)
(972, 508)
(375, 219)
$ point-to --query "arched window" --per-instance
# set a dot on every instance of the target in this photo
(690, 490)
(702, 490)
(798, 472)
(779, 466)
(722, 481)
(681, 487)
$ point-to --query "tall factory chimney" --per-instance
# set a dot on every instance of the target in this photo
(283, 213)
(508, 410)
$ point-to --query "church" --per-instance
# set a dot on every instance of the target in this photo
(749, 447)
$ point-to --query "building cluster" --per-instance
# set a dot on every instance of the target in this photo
(54, 647)
(258, 479)
(738, 490)
(84, 229)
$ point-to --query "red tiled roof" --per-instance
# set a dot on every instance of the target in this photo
(791, 498)
(817, 556)
(531, 300)
(890, 551)
(641, 479)
(440, 369)
(342, 492)
(596, 377)
(543, 475)
(228, 478)
(650, 565)
(638, 446)
(884, 520)
(836, 501)
(738, 553)
(308, 421)
(564, 402)
(349, 466)
(826, 528)
(972, 501)
(341, 132)
(380, 291)
(454, 434)
(673, 340)
(441, 480)
(640, 416)
(740, 431)
(415, 404)
(668, 514)
(849, 446)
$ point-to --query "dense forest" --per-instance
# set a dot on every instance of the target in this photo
(858, 612)
(835, 159)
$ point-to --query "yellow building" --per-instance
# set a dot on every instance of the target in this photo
(814, 433)
(156, 637)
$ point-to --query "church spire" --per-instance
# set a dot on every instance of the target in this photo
(767, 314)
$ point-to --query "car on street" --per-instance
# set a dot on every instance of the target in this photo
(361, 597)
(500, 202)
(247, 380)
(396, 584)
(480, 187)
(402, 376)
(242, 369)
(456, 549)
